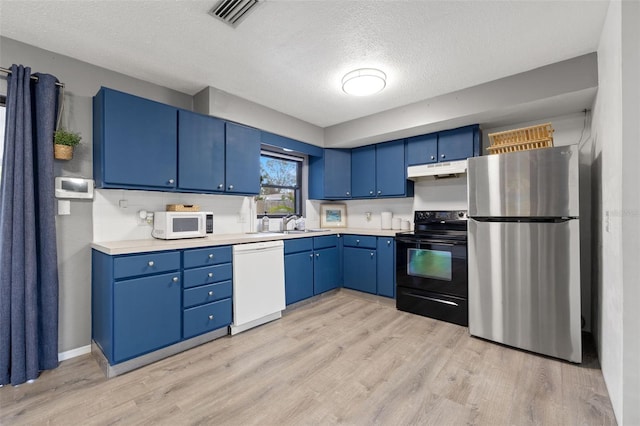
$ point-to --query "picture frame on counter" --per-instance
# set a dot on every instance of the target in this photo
(333, 215)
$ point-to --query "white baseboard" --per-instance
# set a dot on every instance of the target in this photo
(62, 356)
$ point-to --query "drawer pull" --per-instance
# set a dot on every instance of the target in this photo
(221, 186)
(211, 293)
(379, 192)
(171, 181)
(210, 274)
(230, 187)
(388, 242)
(371, 254)
(370, 192)
(433, 157)
(210, 317)
(151, 263)
(357, 241)
(174, 279)
(211, 256)
(317, 254)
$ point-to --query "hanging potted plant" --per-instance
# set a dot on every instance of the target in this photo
(64, 141)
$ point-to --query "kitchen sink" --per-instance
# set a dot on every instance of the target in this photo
(291, 231)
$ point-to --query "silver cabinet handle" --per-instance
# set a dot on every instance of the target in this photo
(210, 255)
(210, 317)
(171, 181)
(210, 274)
(371, 254)
(311, 255)
(221, 186)
(211, 293)
(442, 156)
(379, 192)
(174, 279)
(433, 157)
(357, 241)
(230, 187)
(151, 263)
(370, 192)
(388, 242)
(348, 193)
(317, 254)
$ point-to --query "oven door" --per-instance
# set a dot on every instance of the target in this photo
(432, 265)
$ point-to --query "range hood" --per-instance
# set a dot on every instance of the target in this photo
(437, 170)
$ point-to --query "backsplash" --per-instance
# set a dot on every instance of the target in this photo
(115, 211)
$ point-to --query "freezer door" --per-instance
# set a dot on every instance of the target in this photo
(524, 286)
(536, 183)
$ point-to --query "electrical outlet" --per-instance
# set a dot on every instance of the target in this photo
(123, 204)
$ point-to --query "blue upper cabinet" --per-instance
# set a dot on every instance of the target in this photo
(330, 175)
(242, 159)
(134, 142)
(201, 152)
(380, 171)
(448, 145)
(391, 170)
(363, 172)
(422, 149)
(458, 144)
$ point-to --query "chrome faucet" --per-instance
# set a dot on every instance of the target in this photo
(287, 219)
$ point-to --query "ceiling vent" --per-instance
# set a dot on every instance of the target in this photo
(232, 11)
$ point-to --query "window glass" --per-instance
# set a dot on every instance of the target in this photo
(280, 185)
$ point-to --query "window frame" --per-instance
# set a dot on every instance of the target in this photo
(298, 159)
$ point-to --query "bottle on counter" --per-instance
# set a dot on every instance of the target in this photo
(265, 222)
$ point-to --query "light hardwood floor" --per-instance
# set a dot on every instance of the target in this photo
(341, 359)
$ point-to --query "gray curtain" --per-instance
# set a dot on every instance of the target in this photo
(28, 260)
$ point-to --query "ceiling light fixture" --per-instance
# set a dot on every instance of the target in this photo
(364, 81)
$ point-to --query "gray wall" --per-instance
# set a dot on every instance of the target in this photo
(616, 209)
(75, 232)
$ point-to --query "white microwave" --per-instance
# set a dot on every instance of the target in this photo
(175, 225)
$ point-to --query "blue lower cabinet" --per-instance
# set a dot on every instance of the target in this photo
(360, 270)
(298, 276)
(326, 270)
(146, 314)
(205, 318)
(207, 294)
(386, 266)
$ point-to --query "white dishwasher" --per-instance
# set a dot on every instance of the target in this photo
(258, 284)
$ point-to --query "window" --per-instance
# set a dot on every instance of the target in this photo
(280, 188)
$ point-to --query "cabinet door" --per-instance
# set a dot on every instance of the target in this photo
(146, 314)
(242, 160)
(422, 149)
(386, 267)
(337, 173)
(201, 142)
(138, 144)
(326, 272)
(298, 276)
(360, 269)
(391, 170)
(363, 172)
(456, 144)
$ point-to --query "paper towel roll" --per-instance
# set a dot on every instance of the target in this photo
(395, 223)
(386, 220)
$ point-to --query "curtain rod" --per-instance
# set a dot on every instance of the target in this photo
(33, 77)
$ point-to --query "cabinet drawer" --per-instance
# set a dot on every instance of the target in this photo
(206, 318)
(207, 294)
(207, 256)
(364, 241)
(298, 245)
(325, 242)
(207, 275)
(145, 264)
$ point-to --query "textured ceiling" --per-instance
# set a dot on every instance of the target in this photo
(290, 55)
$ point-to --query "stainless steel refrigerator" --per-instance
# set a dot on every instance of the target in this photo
(524, 250)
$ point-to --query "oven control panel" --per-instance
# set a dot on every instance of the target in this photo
(425, 216)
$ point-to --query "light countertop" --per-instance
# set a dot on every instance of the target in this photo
(140, 246)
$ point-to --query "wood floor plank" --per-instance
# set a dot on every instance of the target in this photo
(340, 359)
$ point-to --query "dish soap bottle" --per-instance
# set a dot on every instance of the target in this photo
(265, 223)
